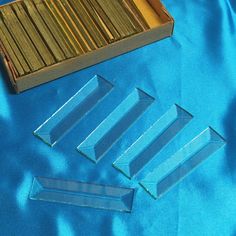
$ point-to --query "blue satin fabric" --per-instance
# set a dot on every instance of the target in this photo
(195, 69)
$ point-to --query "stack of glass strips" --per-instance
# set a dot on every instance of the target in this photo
(40, 33)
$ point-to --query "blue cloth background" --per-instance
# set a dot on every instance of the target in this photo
(196, 69)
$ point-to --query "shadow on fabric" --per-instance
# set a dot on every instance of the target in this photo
(230, 132)
(4, 76)
(233, 5)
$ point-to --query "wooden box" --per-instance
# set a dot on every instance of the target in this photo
(161, 26)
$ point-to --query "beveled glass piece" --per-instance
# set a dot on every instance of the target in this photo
(183, 162)
(82, 194)
(152, 141)
(111, 128)
(66, 117)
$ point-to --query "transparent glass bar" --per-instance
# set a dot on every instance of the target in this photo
(82, 194)
(111, 129)
(183, 162)
(65, 118)
(152, 141)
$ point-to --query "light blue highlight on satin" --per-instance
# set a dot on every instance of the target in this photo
(64, 227)
(152, 141)
(23, 191)
(5, 111)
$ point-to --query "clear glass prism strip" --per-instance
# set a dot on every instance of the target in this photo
(65, 118)
(152, 141)
(111, 128)
(183, 162)
(82, 194)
